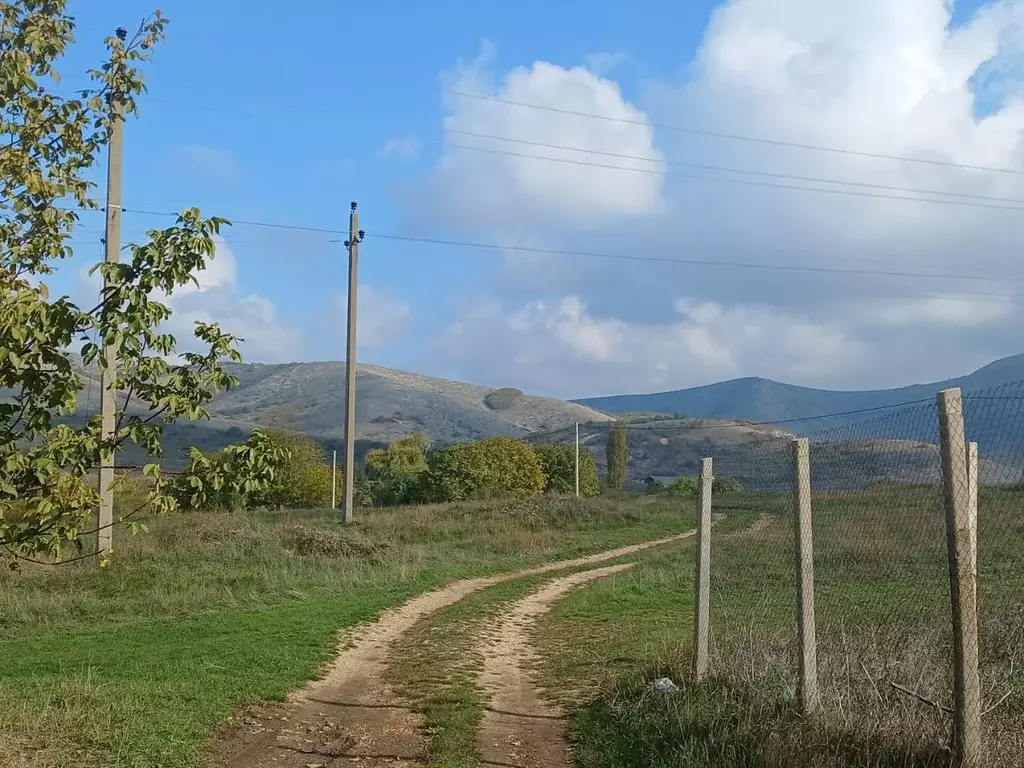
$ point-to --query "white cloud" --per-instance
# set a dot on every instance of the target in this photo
(502, 187)
(215, 298)
(405, 148)
(939, 312)
(889, 77)
(563, 348)
(602, 63)
(383, 317)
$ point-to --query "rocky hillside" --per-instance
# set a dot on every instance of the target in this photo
(310, 398)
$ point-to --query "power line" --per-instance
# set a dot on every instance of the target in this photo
(692, 262)
(739, 137)
(249, 223)
(742, 182)
(726, 169)
(622, 257)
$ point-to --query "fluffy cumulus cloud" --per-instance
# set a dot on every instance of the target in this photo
(565, 349)
(383, 318)
(491, 182)
(215, 297)
(867, 306)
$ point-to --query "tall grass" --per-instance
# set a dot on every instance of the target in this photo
(135, 664)
(884, 644)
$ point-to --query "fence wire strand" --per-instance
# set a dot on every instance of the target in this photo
(882, 585)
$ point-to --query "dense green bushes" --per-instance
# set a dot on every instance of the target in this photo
(690, 486)
(272, 468)
(558, 462)
(394, 475)
(232, 478)
(279, 469)
(303, 478)
(492, 467)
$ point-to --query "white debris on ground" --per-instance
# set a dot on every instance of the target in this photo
(665, 685)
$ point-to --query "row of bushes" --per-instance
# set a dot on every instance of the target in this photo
(495, 467)
(280, 469)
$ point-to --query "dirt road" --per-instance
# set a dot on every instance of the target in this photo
(352, 716)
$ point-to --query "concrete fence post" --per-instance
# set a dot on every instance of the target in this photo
(972, 507)
(810, 700)
(961, 538)
(702, 580)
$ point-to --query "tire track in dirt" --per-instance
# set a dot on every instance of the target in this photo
(519, 729)
(351, 716)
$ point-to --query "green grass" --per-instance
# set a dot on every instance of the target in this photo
(135, 665)
(883, 619)
(437, 662)
(437, 667)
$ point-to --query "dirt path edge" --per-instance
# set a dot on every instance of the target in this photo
(350, 713)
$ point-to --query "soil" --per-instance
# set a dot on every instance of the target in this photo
(351, 716)
(519, 728)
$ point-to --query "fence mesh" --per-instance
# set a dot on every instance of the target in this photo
(884, 623)
(881, 582)
(993, 419)
(752, 576)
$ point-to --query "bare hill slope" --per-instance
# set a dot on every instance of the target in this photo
(310, 398)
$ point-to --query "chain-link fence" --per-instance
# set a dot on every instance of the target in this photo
(886, 650)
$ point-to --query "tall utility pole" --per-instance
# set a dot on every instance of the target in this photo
(334, 480)
(577, 459)
(355, 237)
(108, 371)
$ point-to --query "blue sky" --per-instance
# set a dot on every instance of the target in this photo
(259, 113)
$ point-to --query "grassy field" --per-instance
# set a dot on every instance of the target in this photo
(438, 662)
(883, 621)
(136, 664)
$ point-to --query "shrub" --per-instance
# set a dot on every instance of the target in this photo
(132, 494)
(319, 542)
(303, 479)
(559, 465)
(502, 399)
(228, 478)
(495, 467)
(684, 486)
(723, 484)
(393, 475)
(690, 486)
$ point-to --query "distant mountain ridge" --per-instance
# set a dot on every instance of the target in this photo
(767, 401)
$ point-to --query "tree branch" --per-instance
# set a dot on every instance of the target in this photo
(920, 698)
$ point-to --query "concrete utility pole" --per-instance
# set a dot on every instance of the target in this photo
(577, 459)
(334, 480)
(108, 371)
(355, 237)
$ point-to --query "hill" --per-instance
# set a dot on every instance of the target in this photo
(310, 398)
(763, 400)
(760, 457)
